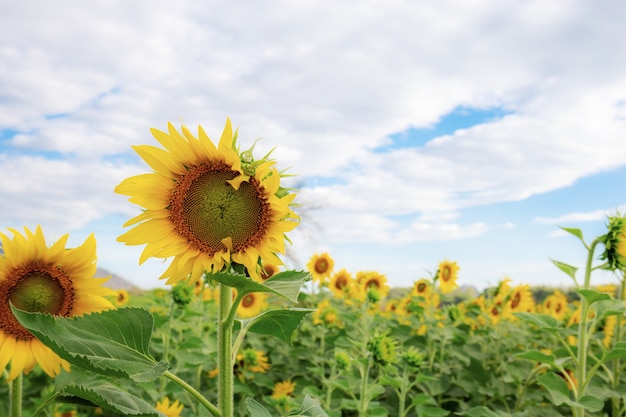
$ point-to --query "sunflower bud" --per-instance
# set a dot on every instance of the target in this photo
(182, 293)
(413, 357)
(384, 349)
(342, 359)
(615, 243)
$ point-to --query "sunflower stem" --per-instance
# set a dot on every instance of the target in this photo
(224, 352)
(15, 406)
(191, 390)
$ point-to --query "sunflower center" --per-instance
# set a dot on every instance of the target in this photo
(34, 288)
(321, 266)
(421, 287)
(205, 209)
(516, 300)
(248, 300)
(341, 282)
(446, 273)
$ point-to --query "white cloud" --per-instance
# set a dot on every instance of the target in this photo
(580, 217)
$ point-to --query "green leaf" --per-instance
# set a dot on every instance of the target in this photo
(256, 409)
(430, 411)
(614, 354)
(556, 386)
(112, 342)
(278, 323)
(568, 269)
(310, 408)
(286, 284)
(537, 356)
(543, 321)
(590, 403)
(610, 307)
(102, 392)
(483, 411)
(574, 231)
(423, 399)
(593, 296)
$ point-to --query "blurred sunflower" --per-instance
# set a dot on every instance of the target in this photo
(556, 305)
(521, 300)
(447, 276)
(268, 270)
(122, 297)
(339, 282)
(170, 410)
(207, 206)
(283, 389)
(252, 304)
(373, 280)
(321, 266)
(251, 360)
(326, 314)
(38, 278)
(421, 288)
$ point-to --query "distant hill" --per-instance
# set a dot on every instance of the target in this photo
(116, 282)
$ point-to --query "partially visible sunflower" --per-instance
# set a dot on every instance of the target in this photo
(252, 304)
(447, 276)
(283, 389)
(326, 314)
(556, 305)
(521, 300)
(170, 410)
(122, 297)
(251, 361)
(268, 270)
(207, 206)
(38, 278)
(321, 266)
(373, 280)
(340, 282)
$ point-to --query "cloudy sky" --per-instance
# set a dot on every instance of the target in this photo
(420, 131)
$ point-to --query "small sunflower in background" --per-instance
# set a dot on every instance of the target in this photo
(422, 288)
(207, 206)
(340, 282)
(372, 280)
(38, 278)
(252, 304)
(521, 300)
(321, 267)
(122, 297)
(170, 410)
(283, 389)
(268, 270)
(447, 276)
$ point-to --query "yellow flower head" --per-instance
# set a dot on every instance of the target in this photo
(252, 304)
(321, 266)
(38, 278)
(268, 271)
(447, 276)
(283, 389)
(122, 297)
(422, 288)
(615, 243)
(252, 360)
(207, 206)
(521, 299)
(170, 410)
(556, 305)
(373, 280)
(339, 282)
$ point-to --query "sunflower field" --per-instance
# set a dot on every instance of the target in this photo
(237, 334)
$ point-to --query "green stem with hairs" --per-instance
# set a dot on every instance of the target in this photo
(191, 390)
(224, 352)
(15, 404)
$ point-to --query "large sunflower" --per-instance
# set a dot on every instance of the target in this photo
(38, 278)
(207, 206)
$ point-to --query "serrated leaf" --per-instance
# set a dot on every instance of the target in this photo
(537, 356)
(256, 409)
(593, 296)
(310, 408)
(568, 269)
(104, 393)
(556, 386)
(278, 323)
(286, 284)
(543, 321)
(112, 342)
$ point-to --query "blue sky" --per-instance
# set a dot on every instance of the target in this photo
(419, 131)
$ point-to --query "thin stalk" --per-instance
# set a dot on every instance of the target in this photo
(166, 338)
(364, 398)
(191, 390)
(224, 352)
(583, 330)
(15, 405)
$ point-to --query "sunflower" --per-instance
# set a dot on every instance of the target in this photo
(283, 389)
(252, 304)
(206, 206)
(321, 266)
(38, 278)
(170, 410)
(556, 305)
(422, 288)
(122, 297)
(326, 313)
(373, 280)
(447, 276)
(268, 270)
(521, 300)
(253, 361)
(340, 282)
